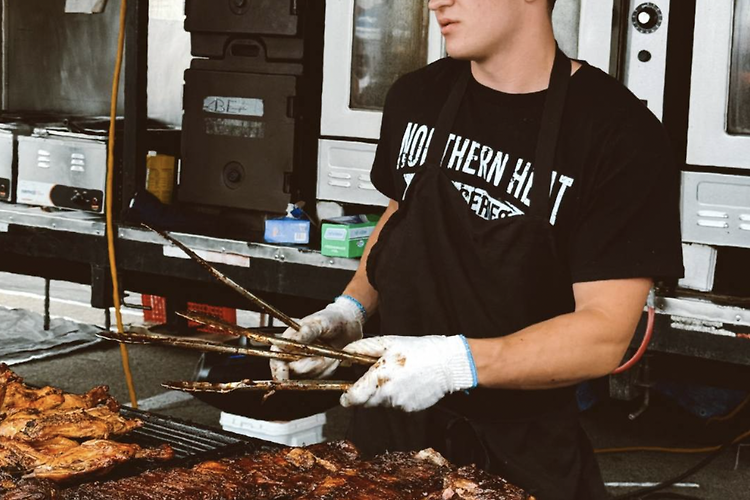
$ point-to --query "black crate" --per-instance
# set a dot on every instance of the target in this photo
(214, 23)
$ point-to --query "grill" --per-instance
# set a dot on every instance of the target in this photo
(187, 439)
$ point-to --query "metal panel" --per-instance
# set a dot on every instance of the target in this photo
(50, 62)
(716, 209)
(338, 118)
(595, 33)
(6, 165)
(344, 173)
(645, 64)
(566, 23)
(62, 172)
(709, 143)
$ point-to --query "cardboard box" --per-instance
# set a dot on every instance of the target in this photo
(347, 236)
(287, 230)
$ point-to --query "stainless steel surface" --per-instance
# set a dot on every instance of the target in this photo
(46, 162)
(738, 114)
(85, 223)
(48, 64)
(59, 62)
(344, 173)
(703, 310)
(716, 209)
(709, 141)
(645, 62)
(390, 39)
(6, 164)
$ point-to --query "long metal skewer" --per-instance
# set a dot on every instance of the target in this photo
(265, 306)
(306, 350)
(259, 385)
(200, 345)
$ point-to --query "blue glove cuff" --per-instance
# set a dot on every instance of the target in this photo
(358, 304)
(473, 365)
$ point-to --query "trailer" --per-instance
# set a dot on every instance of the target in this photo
(282, 103)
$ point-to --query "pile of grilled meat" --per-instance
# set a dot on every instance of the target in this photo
(48, 434)
(39, 454)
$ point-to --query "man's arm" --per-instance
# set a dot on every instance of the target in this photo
(568, 349)
(359, 287)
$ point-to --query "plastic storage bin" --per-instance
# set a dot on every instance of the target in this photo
(300, 432)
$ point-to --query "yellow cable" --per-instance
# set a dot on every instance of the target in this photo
(731, 414)
(110, 198)
(707, 449)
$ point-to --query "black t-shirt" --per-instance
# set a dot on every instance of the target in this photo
(615, 188)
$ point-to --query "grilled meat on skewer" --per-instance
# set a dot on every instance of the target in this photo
(33, 425)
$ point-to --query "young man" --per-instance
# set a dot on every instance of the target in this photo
(533, 201)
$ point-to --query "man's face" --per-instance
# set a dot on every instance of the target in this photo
(476, 29)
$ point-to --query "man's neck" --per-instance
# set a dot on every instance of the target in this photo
(521, 67)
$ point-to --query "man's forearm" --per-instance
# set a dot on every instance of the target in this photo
(568, 349)
(359, 287)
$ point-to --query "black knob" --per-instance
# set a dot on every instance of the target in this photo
(647, 17)
(644, 56)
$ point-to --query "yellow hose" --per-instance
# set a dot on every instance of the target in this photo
(707, 449)
(110, 198)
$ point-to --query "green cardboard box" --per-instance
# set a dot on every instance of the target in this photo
(346, 236)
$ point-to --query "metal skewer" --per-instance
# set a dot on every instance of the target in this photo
(200, 345)
(259, 385)
(306, 350)
(265, 306)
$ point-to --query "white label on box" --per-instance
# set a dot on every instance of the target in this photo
(335, 234)
(361, 233)
(4, 227)
(34, 193)
(237, 106)
(230, 259)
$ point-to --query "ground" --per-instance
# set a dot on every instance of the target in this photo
(662, 424)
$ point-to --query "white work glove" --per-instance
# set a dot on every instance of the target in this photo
(337, 325)
(413, 373)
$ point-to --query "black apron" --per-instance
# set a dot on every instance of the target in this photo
(441, 270)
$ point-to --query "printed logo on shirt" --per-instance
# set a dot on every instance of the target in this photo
(487, 166)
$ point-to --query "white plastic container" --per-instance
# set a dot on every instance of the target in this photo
(300, 432)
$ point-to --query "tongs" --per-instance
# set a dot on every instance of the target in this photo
(260, 385)
(293, 350)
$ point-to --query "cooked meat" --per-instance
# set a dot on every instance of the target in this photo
(95, 456)
(35, 425)
(330, 471)
(30, 490)
(95, 397)
(55, 446)
(18, 456)
(470, 483)
(18, 397)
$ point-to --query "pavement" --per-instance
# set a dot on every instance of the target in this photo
(662, 424)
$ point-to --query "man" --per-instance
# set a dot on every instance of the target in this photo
(533, 201)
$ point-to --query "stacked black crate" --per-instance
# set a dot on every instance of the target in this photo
(252, 103)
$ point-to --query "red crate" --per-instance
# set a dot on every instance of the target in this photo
(156, 309)
(227, 314)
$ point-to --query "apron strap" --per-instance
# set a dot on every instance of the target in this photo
(549, 132)
(447, 117)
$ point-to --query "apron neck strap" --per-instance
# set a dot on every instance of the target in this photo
(446, 119)
(549, 132)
